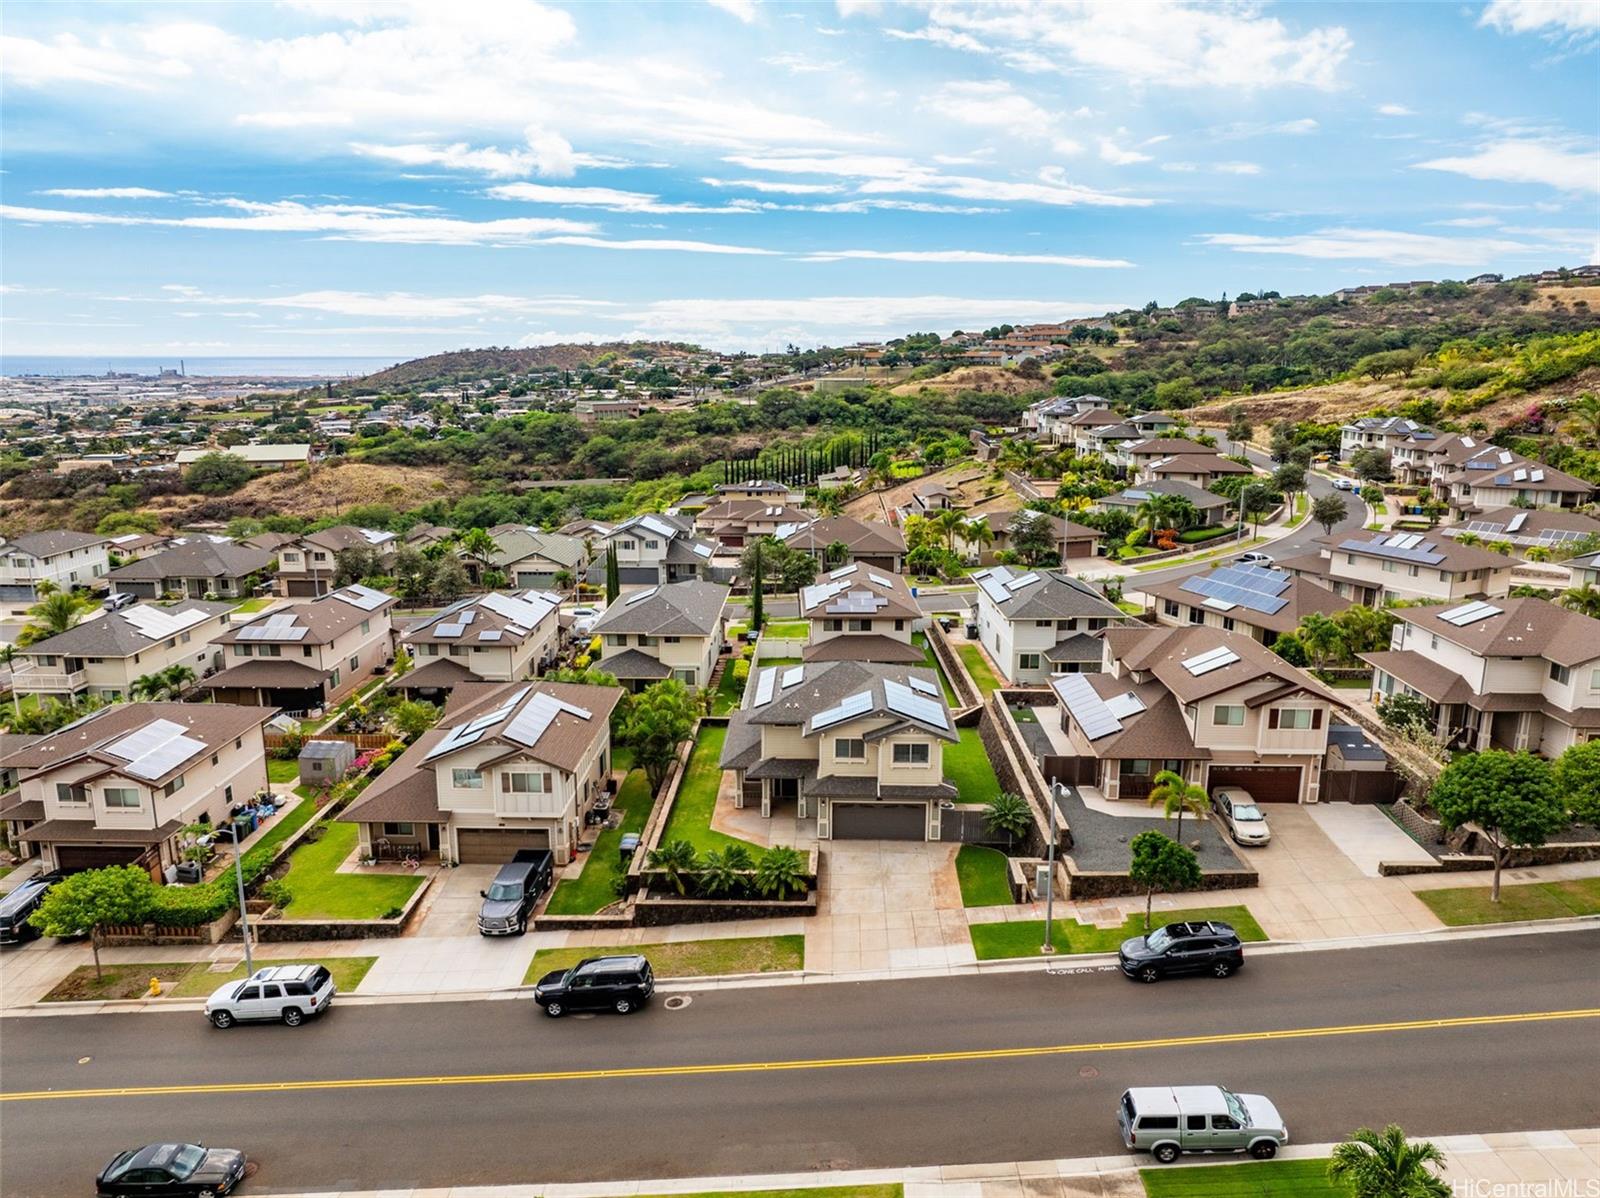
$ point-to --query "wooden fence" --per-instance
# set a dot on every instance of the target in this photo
(361, 740)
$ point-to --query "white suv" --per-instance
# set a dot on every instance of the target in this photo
(291, 993)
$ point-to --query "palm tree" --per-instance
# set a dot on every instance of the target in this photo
(978, 534)
(1166, 511)
(780, 871)
(948, 522)
(1584, 600)
(52, 615)
(8, 654)
(175, 680)
(1384, 1164)
(675, 859)
(1583, 419)
(725, 871)
(1008, 813)
(836, 554)
(1321, 636)
(1469, 538)
(477, 544)
(1175, 796)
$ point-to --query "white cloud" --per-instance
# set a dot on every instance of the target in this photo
(1395, 110)
(1468, 222)
(658, 243)
(611, 199)
(745, 10)
(1555, 163)
(801, 64)
(1117, 156)
(995, 104)
(293, 120)
(965, 256)
(1235, 130)
(412, 306)
(776, 186)
(1379, 245)
(106, 193)
(1578, 19)
(546, 153)
(1216, 168)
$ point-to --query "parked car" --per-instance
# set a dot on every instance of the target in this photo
(515, 892)
(1253, 558)
(583, 621)
(118, 600)
(1204, 946)
(22, 902)
(187, 1169)
(620, 984)
(1346, 484)
(1246, 822)
(1168, 1120)
(289, 993)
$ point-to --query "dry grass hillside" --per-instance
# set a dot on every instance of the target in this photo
(971, 484)
(329, 490)
(991, 380)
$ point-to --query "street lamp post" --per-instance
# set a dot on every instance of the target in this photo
(1048, 946)
(244, 919)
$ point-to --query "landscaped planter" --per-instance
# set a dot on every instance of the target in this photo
(288, 931)
(1096, 884)
(652, 909)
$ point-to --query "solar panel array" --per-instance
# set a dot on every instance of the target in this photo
(843, 571)
(1212, 659)
(902, 700)
(820, 593)
(881, 580)
(793, 676)
(1407, 548)
(1124, 705)
(536, 716)
(279, 627)
(1086, 706)
(525, 611)
(854, 705)
(993, 586)
(158, 624)
(1026, 580)
(1251, 587)
(640, 597)
(857, 603)
(1469, 613)
(1517, 521)
(489, 634)
(156, 749)
(923, 685)
(362, 597)
(449, 630)
(472, 732)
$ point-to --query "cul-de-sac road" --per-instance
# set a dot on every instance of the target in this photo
(1499, 1034)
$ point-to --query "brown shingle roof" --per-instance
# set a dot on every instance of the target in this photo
(1522, 628)
(326, 619)
(85, 831)
(266, 671)
(864, 646)
(212, 723)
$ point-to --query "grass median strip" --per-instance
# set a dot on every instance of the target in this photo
(595, 887)
(995, 941)
(978, 666)
(186, 979)
(1254, 1179)
(985, 877)
(1464, 905)
(687, 958)
(968, 769)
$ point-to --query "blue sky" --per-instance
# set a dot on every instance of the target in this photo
(400, 178)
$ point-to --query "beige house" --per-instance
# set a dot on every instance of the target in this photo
(740, 522)
(103, 657)
(870, 542)
(1262, 603)
(655, 549)
(193, 567)
(517, 767)
(857, 613)
(308, 656)
(1375, 567)
(487, 638)
(857, 746)
(118, 786)
(307, 567)
(672, 631)
(60, 557)
(1039, 623)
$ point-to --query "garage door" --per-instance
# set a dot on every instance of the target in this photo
(1266, 783)
(496, 846)
(71, 858)
(879, 821)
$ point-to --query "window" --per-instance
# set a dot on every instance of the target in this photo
(1138, 767)
(616, 639)
(1294, 719)
(1044, 623)
(1560, 673)
(398, 829)
(227, 795)
(911, 754)
(366, 627)
(652, 544)
(860, 625)
(689, 677)
(526, 784)
(466, 779)
(833, 625)
(1228, 623)
(627, 545)
(1225, 715)
(333, 679)
(1170, 607)
(306, 651)
(1194, 1122)
(173, 787)
(241, 650)
(1594, 681)
(849, 749)
(1197, 615)
(121, 796)
(214, 759)
(1028, 661)
(269, 651)
(670, 640)
(1223, 1123)
(355, 665)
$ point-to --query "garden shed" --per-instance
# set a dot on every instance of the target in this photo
(324, 762)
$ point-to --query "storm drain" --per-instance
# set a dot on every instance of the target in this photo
(677, 1002)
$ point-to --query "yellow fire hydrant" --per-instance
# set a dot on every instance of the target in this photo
(155, 987)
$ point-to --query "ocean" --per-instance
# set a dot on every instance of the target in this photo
(12, 365)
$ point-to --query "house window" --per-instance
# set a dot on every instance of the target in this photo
(269, 650)
(616, 640)
(306, 651)
(1044, 623)
(652, 544)
(849, 749)
(1170, 607)
(1225, 715)
(398, 829)
(627, 545)
(526, 784)
(241, 650)
(833, 625)
(355, 664)
(334, 679)
(227, 795)
(1197, 615)
(466, 779)
(1594, 681)
(911, 754)
(1136, 766)
(670, 640)
(121, 796)
(366, 627)
(1560, 673)
(687, 677)
(1028, 661)
(1294, 719)
(173, 787)
(1228, 623)
(214, 759)
(860, 625)
(71, 794)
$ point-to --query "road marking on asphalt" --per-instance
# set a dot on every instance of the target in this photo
(711, 1069)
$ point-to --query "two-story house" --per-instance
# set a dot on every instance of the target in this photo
(1196, 469)
(1215, 707)
(194, 568)
(1261, 602)
(1382, 433)
(307, 656)
(1209, 508)
(1039, 623)
(1137, 456)
(759, 488)
(62, 558)
(516, 767)
(1093, 434)
(1498, 478)
(868, 542)
(655, 549)
(857, 613)
(671, 631)
(1375, 567)
(118, 786)
(739, 522)
(483, 638)
(308, 567)
(534, 560)
(104, 657)
(1509, 674)
(1524, 529)
(858, 746)
(1070, 539)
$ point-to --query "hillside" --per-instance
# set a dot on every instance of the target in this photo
(991, 380)
(468, 364)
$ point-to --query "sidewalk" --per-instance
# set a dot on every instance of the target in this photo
(1535, 1162)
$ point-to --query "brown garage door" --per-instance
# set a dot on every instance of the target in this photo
(495, 846)
(71, 858)
(1266, 783)
(879, 821)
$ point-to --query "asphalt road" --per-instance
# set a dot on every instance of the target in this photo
(997, 1104)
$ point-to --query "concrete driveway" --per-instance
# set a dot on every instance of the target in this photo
(453, 909)
(1367, 836)
(888, 904)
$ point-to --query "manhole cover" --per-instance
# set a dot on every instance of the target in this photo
(1087, 1071)
(84, 1060)
(677, 1002)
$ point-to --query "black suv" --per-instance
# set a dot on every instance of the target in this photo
(1201, 947)
(620, 984)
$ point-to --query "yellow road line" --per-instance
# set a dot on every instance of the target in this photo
(910, 1058)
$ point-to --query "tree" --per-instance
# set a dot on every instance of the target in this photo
(1289, 478)
(410, 571)
(95, 899)
(1239, 426)
(726, 871)
(1406, 713)
(1009, 813)
(661, 719)
(1289, 648)
(217, 474)
(1584, 600)
(780, 872)
(1365, 629)
(1033, 539)
(1511, 796)
(978, 534)
(836, 554)
(1174, 795)
(1166, 511)
(1384, 1164)
(949, 522)
(51, 616)
(8, 654)
(757, 614)
(413, 717)
(613, 576)
(478, 545)
(1321, 636)
(675, 859)
(449, 579)
(1328, 510)
(1371, 466)
(1577, 778)
(169, 683)
(1158, 863)
(1583, 419)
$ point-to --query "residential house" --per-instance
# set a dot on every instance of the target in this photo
(857, 613)
(1524, 529)
(131, 546)
(118, 786)
(1376, 567)
(1210, 509)
(1263, 603)
(483, 638)
(1155, 424)
(1585, 570)
(517, 766)
(1039, 623)
(759, 488)
(1509, 674)
(424, 536)
(270, 541)
(868, 542)
(1196, 469)
(931, 497)
(259, 457)
(307, 656)
(62, 558)
(1215, 707)
(1416, 460)
(308, 567)
(655, 549)
(529, 558)
(1104, 434)
(740, 522)
(1382, 433)
(1054, 419)
(858, 746)
(1137, 456)
(103, 657)
(671, 631)
(1498, 478)
(194, 568)
(1068, 538)
(840, 477)
(17, 815)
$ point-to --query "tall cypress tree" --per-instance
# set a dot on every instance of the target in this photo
(613, 576)
(756, 616)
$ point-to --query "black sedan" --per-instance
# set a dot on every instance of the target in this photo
(186, 1169)
(1204, 946)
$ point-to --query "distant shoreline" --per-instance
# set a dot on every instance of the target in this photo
(300, 367)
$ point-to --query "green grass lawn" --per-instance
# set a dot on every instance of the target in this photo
(730, 691)
(184, 979)
(787, 630)
(687, 958)
(1130, 607)
(920, 640)
(347, 974)
(978, 666)
(985, 877)
(778, 661)
(1535, 900)
(286, 826)
(259, 603)
(594, 888)
(697, 797)
(993, 941)
(1024, 715)
(1252, 1179)
(320, 893)
(966, 764)
(282, 771)
(1233, 547)
(622, 757)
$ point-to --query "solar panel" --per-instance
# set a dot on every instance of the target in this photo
(526, 610)
(1471, 613)
(1027, 580)
(537, 715)
(702, 550)
(489, 634)
(449, 630)
(766, 680)
(1517, 522)
(456, 739)
(1124, 705)
(1406, 540)
(1086, 706)
(642, 595)
(843, 571)
(881, 580)
(156, 749)
(1519, 475)
(820, 593)
(366, 598)
(923, 685)
(902, 700)
(793, 676)
(1213, 659)
(853, 706)
(1250, 587)
(1218, 604)
(1424, 554)
(467, 617)
(857, 603)
(1537, 476)
(158, 624)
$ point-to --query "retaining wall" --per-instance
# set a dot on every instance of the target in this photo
(1099, 884)
(295, 931)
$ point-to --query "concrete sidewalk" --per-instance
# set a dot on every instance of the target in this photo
(1517, 1163)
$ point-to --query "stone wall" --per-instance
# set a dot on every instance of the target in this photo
(967, 692)
(295, 931)
(1100, 884)
(1017, 771)
(659, 910)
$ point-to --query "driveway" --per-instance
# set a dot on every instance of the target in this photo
(1367, 836)
(453, 909)
(887, 904)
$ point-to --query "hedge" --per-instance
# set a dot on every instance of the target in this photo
(1191, 536)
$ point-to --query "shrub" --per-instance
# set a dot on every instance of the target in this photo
(741, 670)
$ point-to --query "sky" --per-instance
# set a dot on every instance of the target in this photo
(316, 177)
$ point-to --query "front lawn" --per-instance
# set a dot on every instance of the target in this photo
(282, 771)
(259, 603)
(697, 796)
(1253, 1179)
(978, 666)
(888, 1190)
(347, 974)
(966, 765)
(595, 887)
(985, 876)
(993, 941)
(317, 892)
(1534, 900)
(185, 979)
(686, 958)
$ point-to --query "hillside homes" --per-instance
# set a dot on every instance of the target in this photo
(857, 613)
(1381, 433)
(1039, 623)
(102, 658)
(309, 566)
(655, 549)
(1376, 567)
(1068, 539)
(1209, 508)
(1262, 603)
(483, 638)
(740, 522)
(62, 558)
(671, 631)
(1508, 674)
(1474, 476)
(867, 542)
(194, 568)
(534, 560)
(1524, 529)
